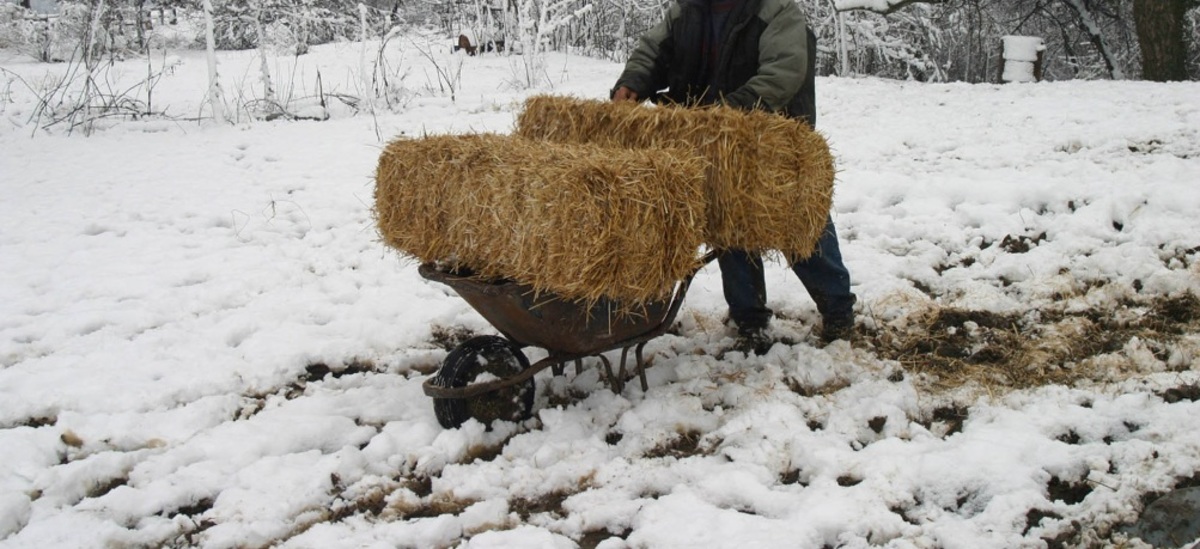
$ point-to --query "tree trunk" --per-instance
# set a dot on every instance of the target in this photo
(1160, 32)
(216, 98)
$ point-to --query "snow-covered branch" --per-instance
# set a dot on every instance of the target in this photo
(1088, 22)
(878, 6)
(216, 97)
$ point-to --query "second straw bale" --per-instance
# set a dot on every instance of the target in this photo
(769, 180)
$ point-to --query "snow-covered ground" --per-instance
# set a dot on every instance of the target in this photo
(173, 295)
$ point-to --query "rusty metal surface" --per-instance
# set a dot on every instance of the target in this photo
(559, 326)
(567, 330)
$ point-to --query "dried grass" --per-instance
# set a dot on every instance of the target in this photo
(580, 221)
(769, 179)
(998, 352)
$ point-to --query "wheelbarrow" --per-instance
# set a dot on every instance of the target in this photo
(489, 377)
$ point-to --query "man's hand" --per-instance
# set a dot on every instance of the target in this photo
(624, 94)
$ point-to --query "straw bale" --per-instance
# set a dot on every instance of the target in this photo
(769, 181)
(580, 221)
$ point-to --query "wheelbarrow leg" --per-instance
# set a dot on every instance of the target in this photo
(578, 366)
(641, 366)
(617, 385)
(557, 368)
(624, 359)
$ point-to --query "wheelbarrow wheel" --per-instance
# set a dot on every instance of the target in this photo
(491, 357)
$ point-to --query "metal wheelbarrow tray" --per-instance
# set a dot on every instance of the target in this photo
(489, 377)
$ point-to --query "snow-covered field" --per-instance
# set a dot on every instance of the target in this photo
(203, 343)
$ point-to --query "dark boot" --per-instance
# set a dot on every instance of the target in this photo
(835, 327)
(754, 340)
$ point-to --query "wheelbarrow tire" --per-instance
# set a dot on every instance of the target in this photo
(484, 354)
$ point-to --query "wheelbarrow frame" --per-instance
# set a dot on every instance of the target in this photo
(568, 330)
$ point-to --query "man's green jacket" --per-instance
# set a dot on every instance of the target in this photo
(766, 60)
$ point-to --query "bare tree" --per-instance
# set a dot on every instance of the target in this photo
(1084, 38)
(925, 40)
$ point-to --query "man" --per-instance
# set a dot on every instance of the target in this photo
(747, 54)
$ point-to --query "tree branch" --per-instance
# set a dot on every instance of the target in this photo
(883, 7)
(1092, 29)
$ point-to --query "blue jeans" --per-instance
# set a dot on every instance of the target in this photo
(823, 274)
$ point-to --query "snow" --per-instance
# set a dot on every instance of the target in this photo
(168, 288)
(1020, 56)
(42, 6)
(880, 6)
(1022, 48)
